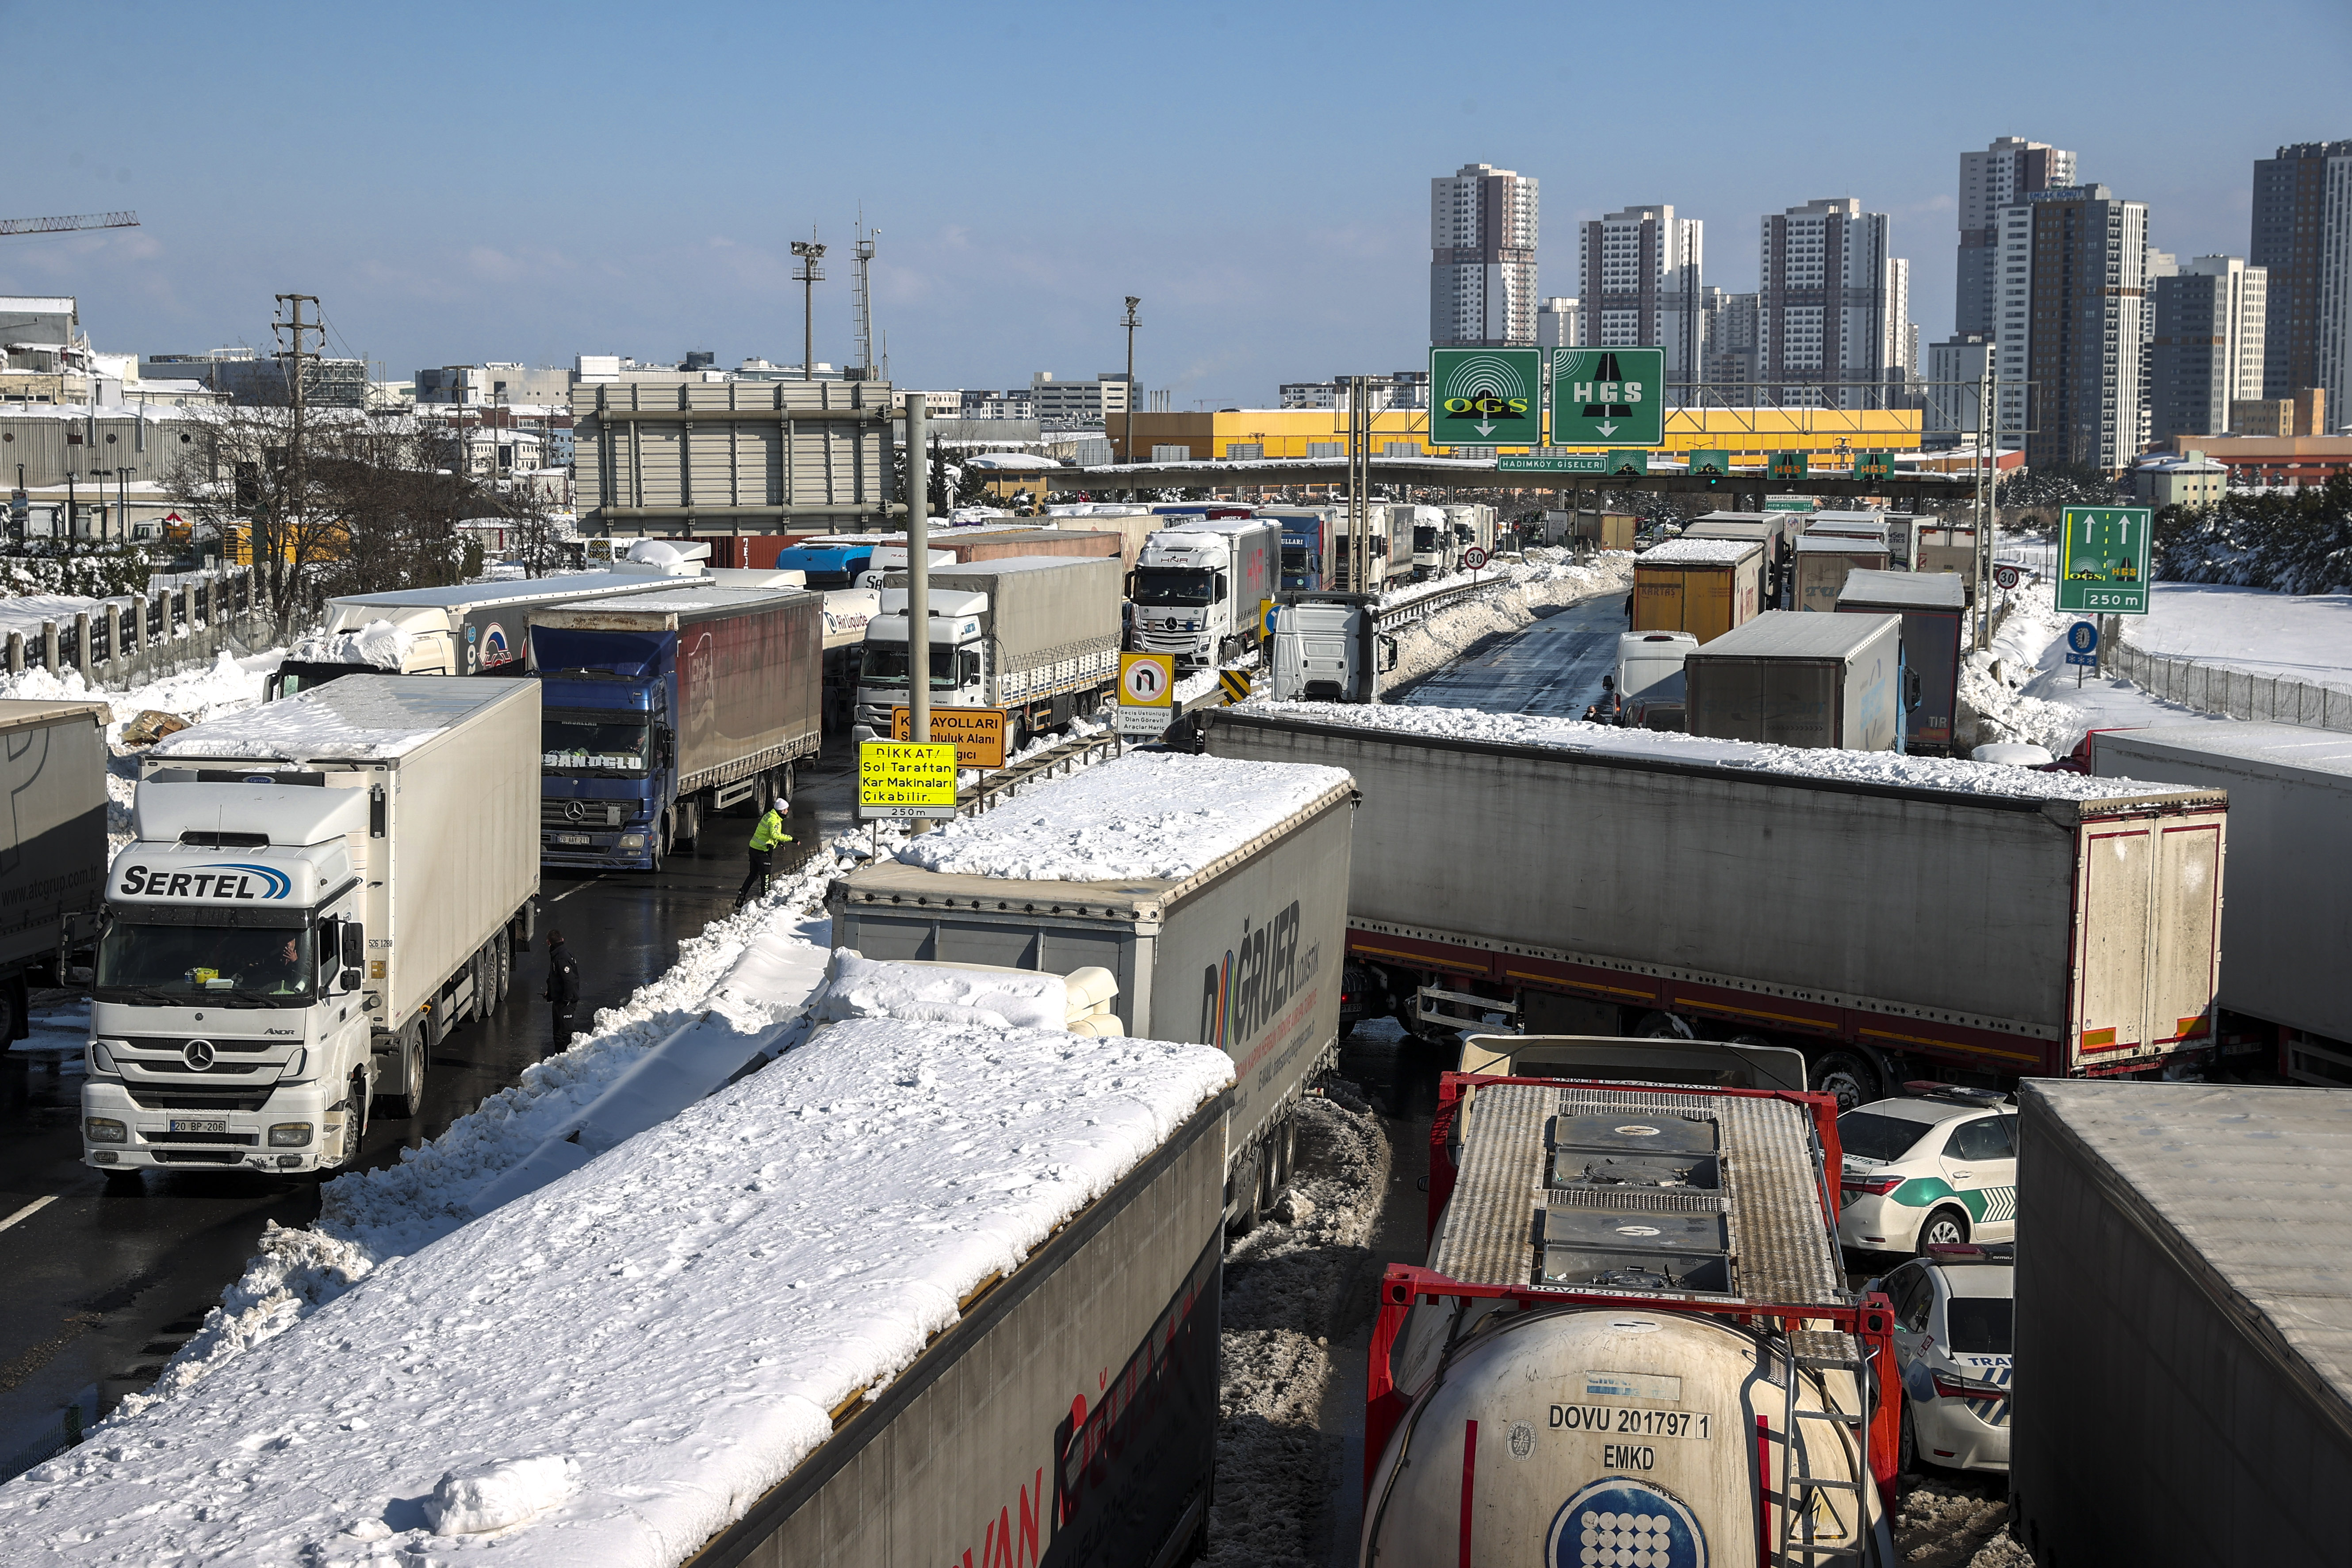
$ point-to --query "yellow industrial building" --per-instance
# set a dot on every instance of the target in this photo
(1829, 437)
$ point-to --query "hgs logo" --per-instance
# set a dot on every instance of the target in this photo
(234, 881)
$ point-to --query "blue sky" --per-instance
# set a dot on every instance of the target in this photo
(527, 182)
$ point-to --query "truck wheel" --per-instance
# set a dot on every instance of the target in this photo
(502, 962)
(659, 845)
(1848, 1075)
(1248, 1182)
(355, 1120)
(406, 1096)
(689, 824)
(1944, 1228)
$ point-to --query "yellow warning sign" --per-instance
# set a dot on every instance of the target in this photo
(898, 780)
(1236, 684)
(976, 734)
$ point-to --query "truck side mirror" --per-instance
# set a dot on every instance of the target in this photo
(354, 954)
(1388, 653)
(1912, 693)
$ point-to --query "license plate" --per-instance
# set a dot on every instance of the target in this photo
(178, 1126)
(571, 838)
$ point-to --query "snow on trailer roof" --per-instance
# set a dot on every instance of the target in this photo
(358, 717)
(570, 584)
(639, 1350)
(661, 602)
(1842, 544)
(1148, 815)
(2324, 753)
(1905, 590)
(2250, 1182)
(1689, 551)
(1949, 775)
(1792, 634)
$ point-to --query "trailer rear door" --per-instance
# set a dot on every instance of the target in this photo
(2147, 916)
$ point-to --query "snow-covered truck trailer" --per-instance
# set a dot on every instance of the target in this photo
(1214, 892)
(53, 879)
(318, 892)
(1631, 1341)
(2283, 933)
(1886, 915)
(2181, 1289)
(864, 1308)
(469, 628)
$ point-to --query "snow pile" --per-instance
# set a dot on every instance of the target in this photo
(1689, 551)
(1949, 774)
(1959, 1521)
(1295, 1288)
(379, 644)
(1546, 580)
(2021, 690)
(678, 1319)
(918, 993)
(1148, 815)
(348, 720)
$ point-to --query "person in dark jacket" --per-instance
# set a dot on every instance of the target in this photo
(562, 988)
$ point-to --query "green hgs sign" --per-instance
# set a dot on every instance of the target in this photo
(1485, 397)
(1608, 398)
(2103, 562)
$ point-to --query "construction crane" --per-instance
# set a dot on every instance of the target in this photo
(68, 224)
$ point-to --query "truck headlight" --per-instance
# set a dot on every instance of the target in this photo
(633, 841)
(104, 1130)
(290, 1135)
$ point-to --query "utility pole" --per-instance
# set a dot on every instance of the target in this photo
(1359, 483)
(297, 358)
(1131, 323)
(811, 274)
(919, 579)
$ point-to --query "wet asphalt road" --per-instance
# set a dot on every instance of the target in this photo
(1553, 666)
(99, 1285)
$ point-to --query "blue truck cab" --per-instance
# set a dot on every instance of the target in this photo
(661, 709)
(830, 564)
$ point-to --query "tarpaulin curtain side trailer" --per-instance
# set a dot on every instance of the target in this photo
(1999, 933)
(2183, 1307)
(1068, 1417)
(53, 866)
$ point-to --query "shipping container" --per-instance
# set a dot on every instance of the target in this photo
(53, 879)
(1243, 953)
(1795, 680)
(2182, 1310)
(1883, 924)
(1934, 607)
(1821, 564)
(2283, 931)
(1703, 586)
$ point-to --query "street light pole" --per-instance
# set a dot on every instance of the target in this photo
(810, 274)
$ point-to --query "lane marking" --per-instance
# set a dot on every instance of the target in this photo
(35, 1206)
(589, 883)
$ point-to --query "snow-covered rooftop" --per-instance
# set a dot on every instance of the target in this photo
(629, 1356)
(1951, 773)
(360, 717)
(1148, 815)
(1698, 553)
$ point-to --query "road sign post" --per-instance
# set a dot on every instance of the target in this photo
(899, 781)
(1608, 398)
(2103, 560)
(1147, 695)
(2082, 648)
(976, 734)
(1485, 397)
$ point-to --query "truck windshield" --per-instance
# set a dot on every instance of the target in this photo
(234, 966)
(886, 665)
(588, 740)
(1424, 536)
(1175, 585)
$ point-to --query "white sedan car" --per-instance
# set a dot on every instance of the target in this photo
(1954, 1313)
(1937, 1166)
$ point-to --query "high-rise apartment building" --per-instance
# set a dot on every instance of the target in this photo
(1638, 276)
(1832, 316)
(2207, 346)
(2001, 175)
(2303, 239)
(1728, 331)
(1950, 400)
(1558, 323)
(2073, 277)
(1482, 258)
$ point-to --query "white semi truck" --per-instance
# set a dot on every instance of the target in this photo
(1034, 635)
(318, 891)
(1198, 588)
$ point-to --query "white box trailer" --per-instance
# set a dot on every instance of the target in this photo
(2184, 1395)
(2284, 933)
(1800, 680)
(320, 891)
(1230, 936)
(53, 872)
(1880, 913)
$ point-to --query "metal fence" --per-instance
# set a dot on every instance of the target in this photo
(146, 636)
(2238, 693)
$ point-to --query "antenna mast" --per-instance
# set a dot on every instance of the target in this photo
(861, 298)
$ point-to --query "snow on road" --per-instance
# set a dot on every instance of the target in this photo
(603, 1375)
(2023, 690)
(1546, 580)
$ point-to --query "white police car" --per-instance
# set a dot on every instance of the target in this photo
(1937, 1166)
(1954, 1314)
